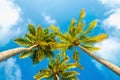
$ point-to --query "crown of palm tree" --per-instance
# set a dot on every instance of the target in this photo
(59, 66)
(40, 37)
(77, 35)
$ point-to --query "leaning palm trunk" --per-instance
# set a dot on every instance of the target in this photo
(111, 66)
(57, 77)
(9, 53)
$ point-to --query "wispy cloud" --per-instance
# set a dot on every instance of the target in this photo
(48, 19)
(110, 3)
(9, 17)
(11, 71)
(110, 48)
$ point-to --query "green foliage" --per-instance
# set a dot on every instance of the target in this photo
(76, 35)
(31, 29)
(96, 39)
(47, 41)
(91, 26)
(44, 40)
(91, 48)
(26, 54)
(76, 55)
(82, 14)
(22, 41)
(59, 66)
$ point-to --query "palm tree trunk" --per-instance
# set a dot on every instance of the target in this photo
(9, 53)
(111, 66)
(57, 77)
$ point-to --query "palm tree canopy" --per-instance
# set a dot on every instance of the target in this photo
(59, 66)
(40, 37)
(77, 35)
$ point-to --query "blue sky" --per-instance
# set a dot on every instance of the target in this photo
(15, 15)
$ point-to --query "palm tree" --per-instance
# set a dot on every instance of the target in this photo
(59, 69)
(78, 36)
(38, 43)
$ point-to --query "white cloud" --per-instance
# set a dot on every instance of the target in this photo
(113, 20)
(110, 48)
(111, 3)
(11, 70)
(48, 19)
(9, 17)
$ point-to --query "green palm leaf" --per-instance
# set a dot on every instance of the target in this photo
(26, 54)
(71, 29)
(41, 75)
(40, 55)
(60, 67)
(82, 13)
(30, 38)
(70, 66)
(96, 39)
(38, 33)
(76, 55)
(91, 26)
(31, 29)
(69, 74)
(80, 28)
(91, 48)
(44, 40)
(22, 41)
(79, 65)
(74, 78)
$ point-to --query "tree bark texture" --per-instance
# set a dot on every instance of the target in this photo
(9, 53)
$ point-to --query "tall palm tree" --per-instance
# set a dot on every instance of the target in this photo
(78, 36)
(38, 43)
(59, 69)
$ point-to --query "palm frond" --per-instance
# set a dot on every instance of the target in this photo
(82, 13)
(48, 53)
(76, 55)
(31, 29)
(57, 61)
(91, 48)
(40, 55)
(80, 28)
(54, 28)
(39, 33)
(46, 30)
(61, 46)
(50, 65)
(70, 66)
(30, 37)
(26, 54)
(91, 26)
(74, 78)
(64, 37)
(96, 39)
(64, 61)
(22, 41)
(58, 66)
(42, 74)
(49, 37)
(71, 28)
(79, 65)
(69, 74)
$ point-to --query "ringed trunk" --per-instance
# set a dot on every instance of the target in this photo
(9, 53)
(111, 66)
(57, 77)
